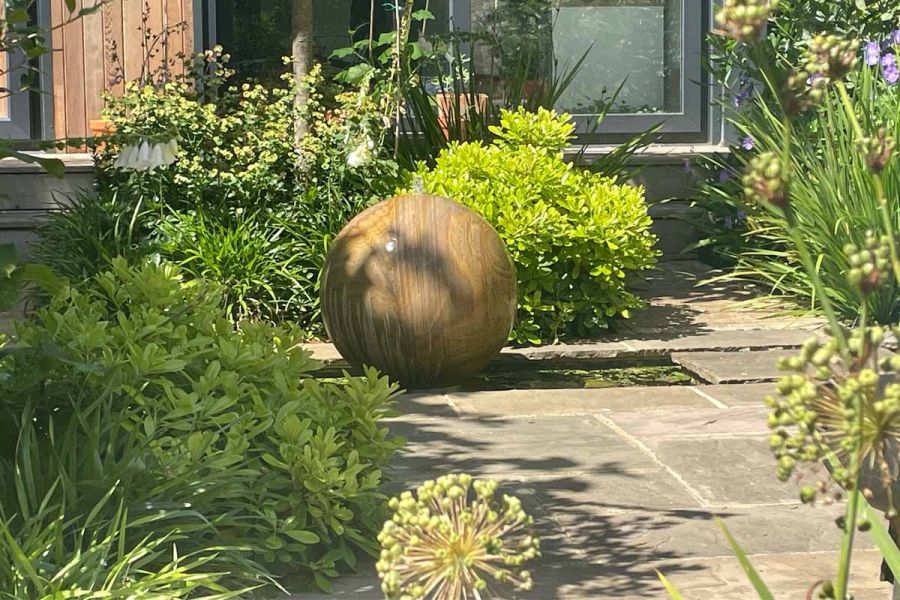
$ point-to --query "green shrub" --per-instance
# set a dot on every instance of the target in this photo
(575, 237)
(81, 241)
(141, 379)
(241, 206)
(834, 201)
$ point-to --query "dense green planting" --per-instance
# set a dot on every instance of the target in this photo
(576, 238)
(143, 386)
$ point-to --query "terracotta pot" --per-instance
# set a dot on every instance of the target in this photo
(534, 88)
(452, 106)
(100, 127)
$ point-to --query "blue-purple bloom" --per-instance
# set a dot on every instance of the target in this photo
(688, 167)
(745, 90)
(890, 69)
(729, 222)
(724, 175)
(741, 216)
(748, 143)
(873, 53)
(894, 38)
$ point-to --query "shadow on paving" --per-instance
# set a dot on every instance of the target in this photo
(600, 520)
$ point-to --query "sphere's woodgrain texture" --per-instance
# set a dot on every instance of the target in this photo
(421, 288)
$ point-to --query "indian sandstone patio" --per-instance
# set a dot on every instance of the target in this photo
(623, 482)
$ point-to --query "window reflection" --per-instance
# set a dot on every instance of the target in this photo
(635, 44)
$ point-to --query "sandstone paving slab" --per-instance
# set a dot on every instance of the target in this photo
(789, 576)
(733, 367)
(658, 341)
(663, 534)
(725, 470)
(748, 420)
(504, 447)
(574, 401)
(715, 341)
(739, 395)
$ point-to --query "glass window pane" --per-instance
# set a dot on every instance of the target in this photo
(257, 33)
(633, 43)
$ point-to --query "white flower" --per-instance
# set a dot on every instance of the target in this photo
(142, 162)
(147, 155)
(126, 158)
(362, 154)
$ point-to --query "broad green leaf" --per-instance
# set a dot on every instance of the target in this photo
(341, 53)
(761, 590)
(304, 537)
(17, 15)
(881, 536)
(422, 15)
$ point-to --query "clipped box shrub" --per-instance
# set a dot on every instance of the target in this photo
(183, 412)
(575, 237)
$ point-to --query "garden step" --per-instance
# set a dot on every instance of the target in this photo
(627, 348)
(733, 367)
(673, 225)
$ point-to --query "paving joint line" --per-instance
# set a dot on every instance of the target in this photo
(712, 400)
(642, 447)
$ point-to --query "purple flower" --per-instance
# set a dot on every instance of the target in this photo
(724, 175)
(748, 143)
(894, 38)
(729, 222)
(741, 216)
(890, 69)
(744, 94)
(873, 53)
(688, 168)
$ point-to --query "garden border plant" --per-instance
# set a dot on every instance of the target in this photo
(840, 404)
(141, 390)
(577, 238)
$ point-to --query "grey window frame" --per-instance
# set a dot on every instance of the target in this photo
(691, 124)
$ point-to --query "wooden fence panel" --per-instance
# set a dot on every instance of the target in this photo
(100, 52)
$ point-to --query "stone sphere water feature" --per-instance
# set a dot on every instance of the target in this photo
(420, 287)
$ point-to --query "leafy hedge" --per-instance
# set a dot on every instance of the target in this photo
(575, 237)
(240, 206)
(142, 385)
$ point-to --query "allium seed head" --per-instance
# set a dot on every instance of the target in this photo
(455, 540)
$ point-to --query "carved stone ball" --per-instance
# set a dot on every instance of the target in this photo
(420, 287)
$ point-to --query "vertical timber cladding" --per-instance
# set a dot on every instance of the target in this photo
(99, 52)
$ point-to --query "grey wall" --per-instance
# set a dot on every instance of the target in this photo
(27, 193)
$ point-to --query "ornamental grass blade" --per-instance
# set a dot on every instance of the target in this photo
(881, 536)
(673, 592)
(761, 590)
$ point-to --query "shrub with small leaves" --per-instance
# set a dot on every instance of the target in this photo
(577, 238)
(224, 419)
(455, 539)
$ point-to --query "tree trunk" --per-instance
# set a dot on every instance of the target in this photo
(301, 54)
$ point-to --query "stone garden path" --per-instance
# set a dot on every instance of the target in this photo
(626, 481)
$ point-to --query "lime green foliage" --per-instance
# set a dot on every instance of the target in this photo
(241, 206)
(142, 380)
(575, 237)
(234, 152)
